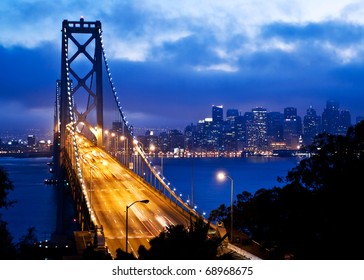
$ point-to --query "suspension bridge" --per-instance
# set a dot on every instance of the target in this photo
(115, 188)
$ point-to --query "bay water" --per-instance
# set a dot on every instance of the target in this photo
(196, 178)
(192, 178)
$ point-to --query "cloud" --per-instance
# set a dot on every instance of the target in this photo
(212, 35)
(180, 52)
(342, 42)
(20, 116)
(218, 67)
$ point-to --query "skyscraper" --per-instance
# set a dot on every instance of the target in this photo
(275, 126)
(217, 114)
(311, 126)
(215, 136)
(330, 117)
(231, 114)
(291, 128)
(256, 131)
(31, 140)
(344, 122)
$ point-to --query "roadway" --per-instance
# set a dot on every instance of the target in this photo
(111, 188)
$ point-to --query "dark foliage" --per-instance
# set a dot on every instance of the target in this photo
(5, 187)
(7, 248)
(182, 243)
(122, 255)
(26, 247)
(90, 253)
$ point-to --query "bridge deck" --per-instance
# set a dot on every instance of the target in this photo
(111, 187)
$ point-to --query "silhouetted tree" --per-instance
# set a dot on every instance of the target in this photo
(182, 243)
(122, 255)
(26, 246)
(91, 254)
(5, 187)
(7, 248)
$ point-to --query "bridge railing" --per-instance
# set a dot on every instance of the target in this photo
(158, 181)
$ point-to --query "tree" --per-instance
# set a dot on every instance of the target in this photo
(122, 255)
(26, 246)
(7, 248)
(178, 242)
(5, 187)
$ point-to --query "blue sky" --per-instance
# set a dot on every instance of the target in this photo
(172, 60)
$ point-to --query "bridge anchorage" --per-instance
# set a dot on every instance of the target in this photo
(103, 182)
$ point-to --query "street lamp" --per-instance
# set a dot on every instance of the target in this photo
(91, 167)
(145, 201)
(91, 189)
(222, 176)
(126, 146)
(160, 154)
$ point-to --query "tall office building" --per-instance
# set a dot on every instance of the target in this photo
(256, 131)
(231, 114)
(311, 126)
(240, 131)
(217, 114)
(31, 140)
(229, 136)
(275, 126)
(291, 128)
(344, 122)
(330, 117)
(215, 135)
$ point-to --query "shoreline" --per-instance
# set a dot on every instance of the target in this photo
(27, 154)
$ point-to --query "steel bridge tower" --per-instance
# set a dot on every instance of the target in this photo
(79, 98)
(81, 79)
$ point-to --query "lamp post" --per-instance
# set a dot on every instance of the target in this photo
(137, 145)
(126, 145)
(145, 201)
(160, 154)
(91, 167)
(113, 138)
(222, 176)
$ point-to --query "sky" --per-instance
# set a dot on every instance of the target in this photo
(172, 60)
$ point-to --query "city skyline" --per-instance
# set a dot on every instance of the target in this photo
(171, 58)
(14, 133)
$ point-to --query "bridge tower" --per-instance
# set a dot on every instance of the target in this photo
(81, 79)
(79, 103)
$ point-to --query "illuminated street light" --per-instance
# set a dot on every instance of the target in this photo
(222, 176)
(91, 166)
(91, 189)
(145, 201)
(152, 148)
(126, 150)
